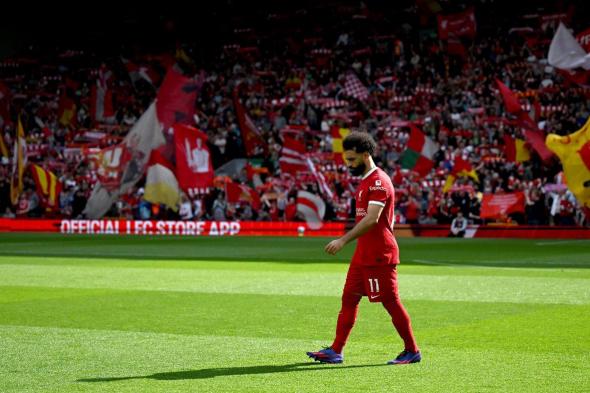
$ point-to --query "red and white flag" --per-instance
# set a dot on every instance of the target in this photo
(353, 87)
(320, 179)
(293, 159)
(194, 169)
(312, 208)
(139, 72)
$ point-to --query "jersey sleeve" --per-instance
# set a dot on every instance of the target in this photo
(377, 194)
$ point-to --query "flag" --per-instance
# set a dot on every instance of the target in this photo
(251, 137)
(19, 163)
(584, 39)
(126, 163)
(236, 193)
(338, 134)
(161, 186)
(511, 102)
(176, 100)
(320, 179)
(353, 87)
(419, 153)
(461, 168)
(66, 111)
(174, 103)
(137, 73)
(499, 205)
(293, 159)
(461, 24)
(574, 153)
(533, 135)
(312, 208)
(48, 187)
(194, 169)
(515, 149)
(565, 52)
(101, 104)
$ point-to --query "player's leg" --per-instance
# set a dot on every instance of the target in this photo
(346, 319)
(399, 317)
(351, 296)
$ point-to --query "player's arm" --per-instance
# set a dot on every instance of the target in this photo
(363, 226)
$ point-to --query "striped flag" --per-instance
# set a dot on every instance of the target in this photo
(293, 159)
(320, 179)
(312, 208)
(48, 186)
(420, 152)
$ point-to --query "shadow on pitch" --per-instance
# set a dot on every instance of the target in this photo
(228, 371)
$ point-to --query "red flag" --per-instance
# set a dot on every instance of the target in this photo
(175, 103)
(510, 100)
(461, 24)
(194, 169)
(236, 193)
(496, 206)
(253, 140)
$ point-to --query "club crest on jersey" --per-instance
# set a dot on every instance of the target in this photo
(377, 182)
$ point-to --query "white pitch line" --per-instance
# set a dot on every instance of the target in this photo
(550, 243)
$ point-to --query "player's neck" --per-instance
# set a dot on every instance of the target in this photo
(369, 168)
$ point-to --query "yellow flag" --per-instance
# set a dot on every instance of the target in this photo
(574, 153)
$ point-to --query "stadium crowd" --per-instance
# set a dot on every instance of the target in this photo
(292, 79)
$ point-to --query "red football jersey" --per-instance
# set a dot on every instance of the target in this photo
(378, 246)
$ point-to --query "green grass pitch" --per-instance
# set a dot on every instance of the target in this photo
(172, 314)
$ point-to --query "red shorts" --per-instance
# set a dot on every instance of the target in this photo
(378, 283)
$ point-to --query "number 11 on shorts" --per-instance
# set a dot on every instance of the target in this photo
(374, 285)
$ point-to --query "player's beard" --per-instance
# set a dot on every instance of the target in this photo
(357, 170)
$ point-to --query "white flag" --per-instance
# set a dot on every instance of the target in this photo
(565, 52)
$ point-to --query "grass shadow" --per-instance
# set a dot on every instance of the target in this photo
(230, 371)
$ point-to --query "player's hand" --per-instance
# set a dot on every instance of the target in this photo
(334, 246)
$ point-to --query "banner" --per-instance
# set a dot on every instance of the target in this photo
(166, 228)
(497, 206)
(194, 168)
(461, 24)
